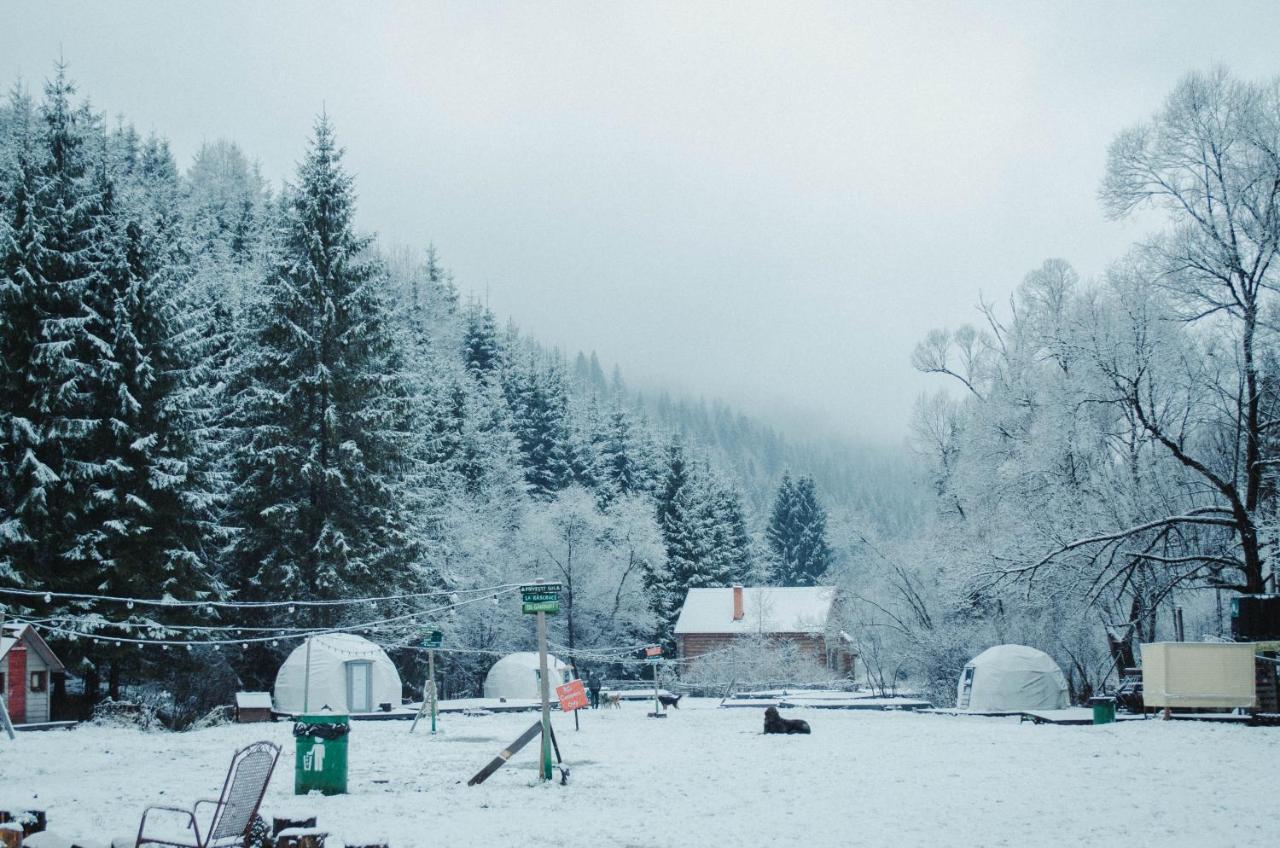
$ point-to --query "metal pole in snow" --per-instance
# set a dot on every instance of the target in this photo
(545, 685)
(306, 681)
(431, 671)
(655, 688)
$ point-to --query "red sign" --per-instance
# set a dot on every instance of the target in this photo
(572, 696)
(654, 651)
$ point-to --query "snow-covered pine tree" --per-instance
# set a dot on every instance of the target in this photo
(61, 332)
(797, 534)
(19, 324)
(324, 449)
(481, 351)
(538, 406)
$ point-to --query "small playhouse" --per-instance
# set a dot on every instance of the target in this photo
(1011, 678)
(342, 672)
(27, 666)
(517, 676)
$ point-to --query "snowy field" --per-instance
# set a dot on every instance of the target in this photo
(704, 777)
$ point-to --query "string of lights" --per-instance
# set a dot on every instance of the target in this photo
(171, 602)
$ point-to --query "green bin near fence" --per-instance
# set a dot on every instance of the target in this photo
(1104, 710)
(320, 754)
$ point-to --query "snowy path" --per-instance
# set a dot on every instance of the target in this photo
(707, 777)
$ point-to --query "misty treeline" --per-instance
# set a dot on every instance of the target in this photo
(211, 389)
(1108, 449)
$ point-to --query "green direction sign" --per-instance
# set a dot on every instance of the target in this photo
(434, 640)
(540, 597)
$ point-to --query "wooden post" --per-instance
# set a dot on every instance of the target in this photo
(506, 754)
(4, 709)
(544, 769)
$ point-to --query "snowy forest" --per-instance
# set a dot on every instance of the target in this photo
(219, 391)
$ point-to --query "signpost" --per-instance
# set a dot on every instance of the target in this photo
(538, 599)
(433, 641)
(572, 696)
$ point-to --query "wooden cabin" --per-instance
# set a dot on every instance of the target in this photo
(27, 667)
(805, 616)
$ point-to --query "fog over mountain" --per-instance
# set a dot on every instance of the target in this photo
(765, 204)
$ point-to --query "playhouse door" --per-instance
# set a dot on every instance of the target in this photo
(360, 687)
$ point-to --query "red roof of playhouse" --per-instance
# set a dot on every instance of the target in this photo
(27, 635)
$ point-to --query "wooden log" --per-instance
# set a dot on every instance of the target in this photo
(301, 837)
(505, 754)
(282, 823)
(368, 845)
(11, 835)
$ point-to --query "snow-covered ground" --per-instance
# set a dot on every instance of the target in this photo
(704, 777)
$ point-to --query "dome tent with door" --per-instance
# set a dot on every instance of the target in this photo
(1009, 678)
(341, 671)
(516, 676)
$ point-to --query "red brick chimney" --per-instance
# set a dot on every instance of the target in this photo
(738, 612)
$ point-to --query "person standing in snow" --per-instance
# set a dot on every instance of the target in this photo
(593, 686)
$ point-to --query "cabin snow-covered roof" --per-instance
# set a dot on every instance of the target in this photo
(766, 609)
(14, 633)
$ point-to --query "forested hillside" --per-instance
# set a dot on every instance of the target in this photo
(219, 394)
(1106, 451)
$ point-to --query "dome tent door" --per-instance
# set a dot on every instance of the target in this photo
(360, 686)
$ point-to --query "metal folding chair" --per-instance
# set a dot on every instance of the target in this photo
(232, 814)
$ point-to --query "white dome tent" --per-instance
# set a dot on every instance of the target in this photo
(341, 671)
(1010, 678)
(516, 676)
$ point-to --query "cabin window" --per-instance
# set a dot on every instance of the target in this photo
(38, 680)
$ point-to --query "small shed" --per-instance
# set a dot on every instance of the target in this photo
(1199, 674)
(253, 706)
(518, 676)
(1012, 678)
(342, 671)
(27, 666)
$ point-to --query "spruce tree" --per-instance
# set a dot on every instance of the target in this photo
(481, 352)
(797, 534)
(324, 449)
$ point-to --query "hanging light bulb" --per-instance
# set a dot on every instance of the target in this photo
(495, 600)
(217, 647)
(275, 643)
(48, 598)
(188, 646)
(291, 609)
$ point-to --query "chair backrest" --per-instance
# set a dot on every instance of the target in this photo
(246, 783)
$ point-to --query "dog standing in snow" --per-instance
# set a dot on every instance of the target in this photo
(774, 723)
(670, 701)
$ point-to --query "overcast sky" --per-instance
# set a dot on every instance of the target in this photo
(765, 203)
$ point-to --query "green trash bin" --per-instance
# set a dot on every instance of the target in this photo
(1104, 709)
(320, 754)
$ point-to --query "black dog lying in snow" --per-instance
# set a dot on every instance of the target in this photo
(774, 723)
